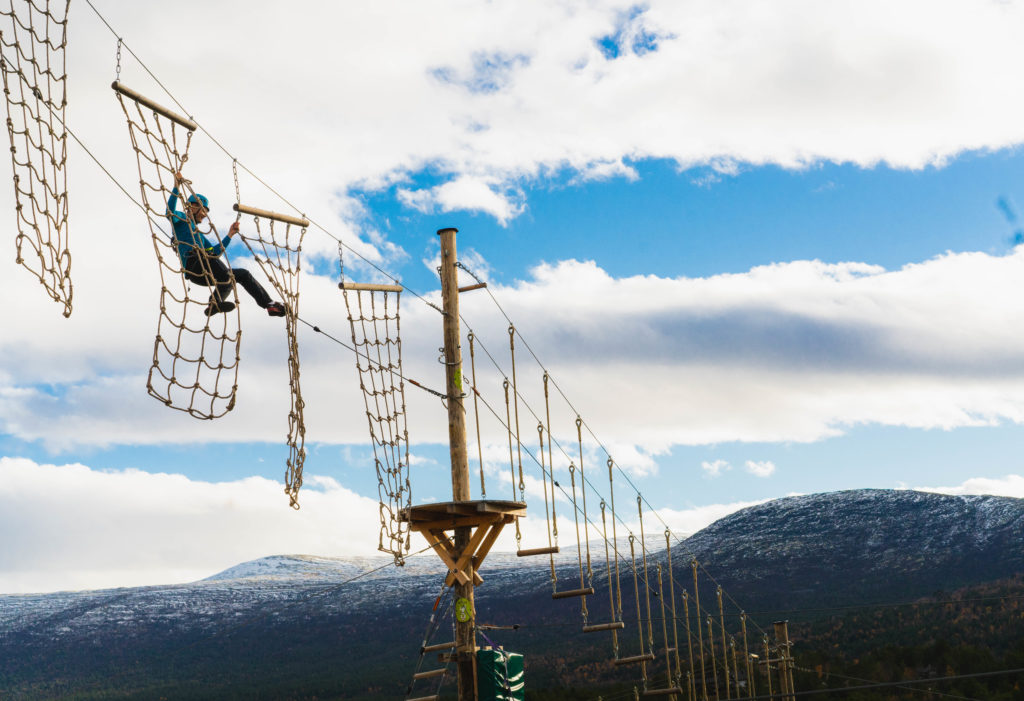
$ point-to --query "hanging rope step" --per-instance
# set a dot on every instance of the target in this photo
(598, 627)
(636, 659)
(568, 593)
(438, 646)
(430, 673)
(537, 551)
(435, 697)
(675, 690)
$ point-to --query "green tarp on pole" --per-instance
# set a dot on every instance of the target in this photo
(500, 676)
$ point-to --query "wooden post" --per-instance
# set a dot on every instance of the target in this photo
(785, 661)
(465, 630)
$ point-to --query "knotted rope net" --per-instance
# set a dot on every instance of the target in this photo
(373, 314)
(195, 354)
(277, 248)
(32, 42)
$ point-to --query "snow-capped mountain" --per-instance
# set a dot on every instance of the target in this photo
(357, 624)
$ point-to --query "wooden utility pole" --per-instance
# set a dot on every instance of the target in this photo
(785, 660)
(465, 630)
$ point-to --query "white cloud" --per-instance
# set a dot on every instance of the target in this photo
(786, 352)
(73, 527)
(529, 92)
(1008, 486)
(465, 193)
(764, 468)
(715, 468)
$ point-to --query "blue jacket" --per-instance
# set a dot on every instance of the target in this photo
(186, 236)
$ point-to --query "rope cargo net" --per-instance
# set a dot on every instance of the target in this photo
(277, 247)
(373, 314)
(195, 355)
(32, 43)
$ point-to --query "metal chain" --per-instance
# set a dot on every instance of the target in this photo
(117, 71)
(238, 194)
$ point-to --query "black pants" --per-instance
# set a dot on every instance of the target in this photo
(219, 280)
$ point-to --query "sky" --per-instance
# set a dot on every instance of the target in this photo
(761, 249)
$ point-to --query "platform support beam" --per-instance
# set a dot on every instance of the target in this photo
(465, 636)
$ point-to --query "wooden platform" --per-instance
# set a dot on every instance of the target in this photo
(456, 514)
(486, 517)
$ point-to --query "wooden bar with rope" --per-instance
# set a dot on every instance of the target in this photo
(430, 673)
(725, 647)
(267, 214)
(155, 106)
(470, 288)
(700, 633)
(614, 625)
(438, 646)
(369, 287)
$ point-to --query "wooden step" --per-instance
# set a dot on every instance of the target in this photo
(617, 625)
(537, 551)
(649, 657)
(435, 697)
(662, 692)
(568, 593)
(430, 673)
(438, 646)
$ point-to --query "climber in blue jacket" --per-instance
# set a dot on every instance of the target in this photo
(201, 261)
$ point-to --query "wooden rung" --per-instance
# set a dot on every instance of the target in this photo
(439, 646)
(469, 288)
(435, 697)
(430, 673)
(662, 692)
(158, 108)
(369, 287)
(537, 551)
(572, 592)
(617, 625)
(649, 657)
(267, 214)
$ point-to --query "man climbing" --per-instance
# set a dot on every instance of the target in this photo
(201, 260)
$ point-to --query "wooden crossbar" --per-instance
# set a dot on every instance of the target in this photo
(369, 287)
(572, 592)
(617, 625)
(439, 646)
(649, 657)
(156, 107)
(467, 554)
(430, 673)
(537, 551)
(469, 288)
(662, 692)
(267, 214)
